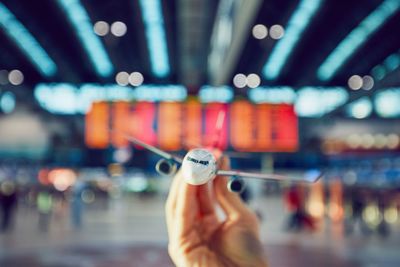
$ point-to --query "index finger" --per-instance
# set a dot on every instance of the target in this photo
(186, 207)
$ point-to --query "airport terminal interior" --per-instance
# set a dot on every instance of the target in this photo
(289, 88)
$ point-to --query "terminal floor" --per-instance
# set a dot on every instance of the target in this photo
(131, 232)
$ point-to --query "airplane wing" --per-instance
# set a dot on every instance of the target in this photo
(155, 150)
(310, 176)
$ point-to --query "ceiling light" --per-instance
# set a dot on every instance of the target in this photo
(101, 28)
(118, 28)
(367, 82)
(253, 80)
(276, 32)
(260, 31)
(136, 79)
(122, 78)
(355, 82)
(15, 77)
(240, 80)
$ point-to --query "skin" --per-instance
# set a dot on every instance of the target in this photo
(198, 237)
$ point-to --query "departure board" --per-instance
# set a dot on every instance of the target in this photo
(211, 136)
(97, 130)
(169, 128)
(175, 126)
(120, 124)
(192, 128)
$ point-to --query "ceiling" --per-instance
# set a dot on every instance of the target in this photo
(190, 28)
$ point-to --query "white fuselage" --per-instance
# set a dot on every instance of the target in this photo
(199, 166)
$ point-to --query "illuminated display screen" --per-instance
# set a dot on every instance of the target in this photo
(169, 125)
(120, 124)
(212, 136)
(174, 126)
(193, 124)
(144, 122)
(97, 132)
(242, 125)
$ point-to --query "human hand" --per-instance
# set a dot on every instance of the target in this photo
(196, 235)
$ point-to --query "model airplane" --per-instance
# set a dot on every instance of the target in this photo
(199, 165)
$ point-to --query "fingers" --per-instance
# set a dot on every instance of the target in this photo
(171, 200)
(181, 207)
(206, 203)
(230, 202)
(186, 209)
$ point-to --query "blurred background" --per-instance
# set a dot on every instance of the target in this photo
(306, 85)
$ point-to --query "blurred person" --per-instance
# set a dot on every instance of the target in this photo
(44, 203)
(8, 202)
(384, 198)
(197, 237)
(358, 202)
(77, 204)
(298, 217)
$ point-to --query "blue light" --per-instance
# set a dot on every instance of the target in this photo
(378, 72)
(221, 94)
(356, 38)
(91, 43)
(296, 26)
(26, 42)
(276, 95)
(154, 93)
(392, 62)
(156, 37)
(318, 101)
(387, 103)
(360, 109)
(7, 102)
(63, 98)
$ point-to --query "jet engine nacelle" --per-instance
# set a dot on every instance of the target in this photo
(236, 185)
(166, 167)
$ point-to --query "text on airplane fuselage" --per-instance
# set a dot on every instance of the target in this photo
(203, 162)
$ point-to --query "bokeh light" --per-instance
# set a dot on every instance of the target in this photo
(101, 28)
(393, 141)
(260, 31)
(122, 78)
(240, 80)
(136, 78)
(3, 77)
(276, 32)
(355, 82)
(253, 80)
(367, 82)
(16, 77)
(7, 102)
(118, 28)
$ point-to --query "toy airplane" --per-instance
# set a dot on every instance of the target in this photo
(199, 165)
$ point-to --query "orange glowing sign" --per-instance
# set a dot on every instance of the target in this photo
(175, 126)
(192, 124)
(263, 131)
(97, 133)
(242, 125)
(120, 123)
(169, 125)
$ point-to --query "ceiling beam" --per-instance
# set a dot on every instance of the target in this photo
(234, 21)
(192, 37)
